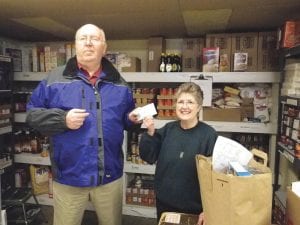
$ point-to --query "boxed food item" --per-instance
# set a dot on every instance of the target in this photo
(240, 61)
(211, 59)
(133, 65)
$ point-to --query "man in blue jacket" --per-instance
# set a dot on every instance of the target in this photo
(85, 107)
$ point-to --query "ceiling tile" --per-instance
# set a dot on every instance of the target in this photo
(46, 24)
(206, 21)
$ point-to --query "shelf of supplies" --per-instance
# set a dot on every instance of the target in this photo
(138, 168)
(5, 130)
(30, 158)
(4, 165)
(29, 76)
(289, 155)
(20, 117)
(45, 200)
(218, 77)
(241, 127)
(142, 211)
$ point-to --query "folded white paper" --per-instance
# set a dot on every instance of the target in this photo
(296, 188)
(227, 150)
(147, 110)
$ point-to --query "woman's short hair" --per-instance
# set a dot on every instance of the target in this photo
(191, 88)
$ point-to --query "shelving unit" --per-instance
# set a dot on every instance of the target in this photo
(286, 100)
(285, 150)
(135, 79)
(6, 117)
(270, 128)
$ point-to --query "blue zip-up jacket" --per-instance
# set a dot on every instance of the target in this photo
(91, 155)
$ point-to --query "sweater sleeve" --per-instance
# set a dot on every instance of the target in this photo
(210, 144)
(150, 147)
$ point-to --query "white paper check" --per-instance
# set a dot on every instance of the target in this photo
(147, 110)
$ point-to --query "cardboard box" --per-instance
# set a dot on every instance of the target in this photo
(216, 114)
(287, 34)
(267, 54)
(224, 42)
(292, 208)
(245, 43)
(192, 54)
(156, 46)
(297, 33)
(247, 111)
(134, 65)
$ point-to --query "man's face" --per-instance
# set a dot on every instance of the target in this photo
(90, 44)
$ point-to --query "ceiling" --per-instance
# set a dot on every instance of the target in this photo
(57, 20)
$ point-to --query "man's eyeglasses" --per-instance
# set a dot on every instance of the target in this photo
(90, 39)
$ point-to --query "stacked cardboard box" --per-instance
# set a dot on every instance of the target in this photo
(268, 55)
(223, 42)
(156, 46)
(192, 54)
(245, 43)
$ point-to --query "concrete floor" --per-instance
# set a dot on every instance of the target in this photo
(90, 218)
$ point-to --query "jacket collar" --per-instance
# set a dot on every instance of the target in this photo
(111, 72)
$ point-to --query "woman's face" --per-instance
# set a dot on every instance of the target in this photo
(187, 107)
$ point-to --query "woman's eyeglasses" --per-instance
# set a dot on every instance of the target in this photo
(186, 103)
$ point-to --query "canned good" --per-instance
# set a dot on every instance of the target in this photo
(163, 91)
(161, 112)
(145, 91)
(168, 102)
(161, 102)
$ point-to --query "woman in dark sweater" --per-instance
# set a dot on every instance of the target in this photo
(173, 148)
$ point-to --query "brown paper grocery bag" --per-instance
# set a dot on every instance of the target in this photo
(292, 208)
(234, 200)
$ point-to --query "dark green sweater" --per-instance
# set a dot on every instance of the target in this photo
(174, 150)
